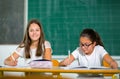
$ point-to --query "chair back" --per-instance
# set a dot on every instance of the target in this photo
(106, 65)
(55, 62)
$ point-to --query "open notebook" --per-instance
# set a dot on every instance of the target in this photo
(89, 67)
(85, 67)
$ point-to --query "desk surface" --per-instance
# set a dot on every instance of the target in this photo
(60, 70)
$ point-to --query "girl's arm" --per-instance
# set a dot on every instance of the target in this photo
(67, 61)
(11, 60)
(110, 61)
(47, 54)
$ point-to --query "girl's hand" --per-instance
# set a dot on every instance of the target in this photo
(12, 63)
(114, 65)
(67, 61)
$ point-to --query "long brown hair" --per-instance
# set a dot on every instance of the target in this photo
(26, 43)
(92, 35)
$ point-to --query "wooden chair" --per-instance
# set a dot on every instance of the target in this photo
(55, 62)
(106, 65)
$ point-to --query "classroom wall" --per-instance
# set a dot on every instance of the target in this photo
(6, 50)
(63, 20)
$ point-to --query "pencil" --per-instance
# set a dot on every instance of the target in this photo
(13, 58)
(69, 55)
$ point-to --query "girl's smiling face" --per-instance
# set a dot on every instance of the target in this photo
(34, 32)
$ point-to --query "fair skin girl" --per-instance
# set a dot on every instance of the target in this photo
(87, 47)
(34, 33)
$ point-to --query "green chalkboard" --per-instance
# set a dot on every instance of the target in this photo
(11, 21)
(63, 20)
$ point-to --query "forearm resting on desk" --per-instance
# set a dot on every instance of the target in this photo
(114, 64)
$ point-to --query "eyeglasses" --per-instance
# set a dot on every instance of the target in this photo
(85, 45)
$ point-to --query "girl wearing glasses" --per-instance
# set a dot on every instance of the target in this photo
(91, 51)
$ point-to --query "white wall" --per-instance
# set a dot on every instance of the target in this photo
(6, 50)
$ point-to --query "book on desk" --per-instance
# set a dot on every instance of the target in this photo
(86, 67)
(90, 67)
(41, 63)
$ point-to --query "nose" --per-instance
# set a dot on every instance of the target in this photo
(83, 47)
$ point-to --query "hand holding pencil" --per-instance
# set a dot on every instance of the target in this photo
(11, 61)
(67, 61)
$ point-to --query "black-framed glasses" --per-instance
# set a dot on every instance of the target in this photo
(85, 45)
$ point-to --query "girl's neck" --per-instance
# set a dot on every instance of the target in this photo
(34, 44)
